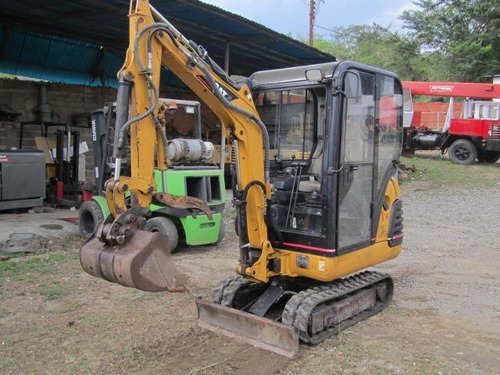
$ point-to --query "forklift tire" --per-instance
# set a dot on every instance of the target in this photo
(166, 226)
(236, 226)
(489, 158)
(90, 216)
(222, 233)
(463, 151)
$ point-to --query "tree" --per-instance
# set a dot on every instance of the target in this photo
(461, 38)
(378, 46)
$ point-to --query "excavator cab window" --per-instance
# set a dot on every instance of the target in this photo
(355, 191)
(289, 117)
(389, 132)
(295, 119)
(370, 145)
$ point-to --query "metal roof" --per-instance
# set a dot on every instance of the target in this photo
(84, 41)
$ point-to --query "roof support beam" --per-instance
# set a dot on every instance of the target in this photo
(226, 58)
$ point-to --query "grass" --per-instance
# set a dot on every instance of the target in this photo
(434, 171)
(6, 363)
(145, 296)
(52, 290)
(3, 312)
(29, 268)
(431, 364)
(345, 355)
(228, 216)
(229, 212)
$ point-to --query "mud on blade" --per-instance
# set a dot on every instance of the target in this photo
(143, 262)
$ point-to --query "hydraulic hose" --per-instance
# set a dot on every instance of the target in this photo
(119, 140)
(122, 102)
(194, 49)
(265, 135)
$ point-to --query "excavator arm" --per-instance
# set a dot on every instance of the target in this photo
(121, 251)
(231, 102)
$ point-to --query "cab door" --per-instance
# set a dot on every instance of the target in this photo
(355, 189)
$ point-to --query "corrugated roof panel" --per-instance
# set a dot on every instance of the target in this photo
(56, 59)
(61, 40)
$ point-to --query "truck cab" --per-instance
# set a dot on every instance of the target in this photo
(474, 134)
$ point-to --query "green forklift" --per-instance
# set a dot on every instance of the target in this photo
(191, 172)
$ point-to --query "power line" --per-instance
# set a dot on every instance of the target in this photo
(324, 28)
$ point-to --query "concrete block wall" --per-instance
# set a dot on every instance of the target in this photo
(68, 104)
(72, 105)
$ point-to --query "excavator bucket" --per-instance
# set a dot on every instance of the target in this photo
(143, 262)
(253, 329)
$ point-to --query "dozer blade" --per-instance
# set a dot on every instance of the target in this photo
(143, 262)
(253, 329)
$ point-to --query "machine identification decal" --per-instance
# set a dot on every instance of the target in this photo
(440, 88)
(303, 261)
(321, 265)
(3, 158)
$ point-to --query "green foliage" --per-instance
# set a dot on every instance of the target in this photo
(457, 40)
(378, 46)
(463, 34)
(437, 172)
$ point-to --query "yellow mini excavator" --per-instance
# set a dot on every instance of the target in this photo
(317, 200)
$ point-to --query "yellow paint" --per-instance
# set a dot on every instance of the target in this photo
(144, 143)
(328, 269)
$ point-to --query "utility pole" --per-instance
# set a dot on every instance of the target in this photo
(312, 5)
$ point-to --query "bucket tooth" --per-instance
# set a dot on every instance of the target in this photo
(249, 328)
(143, 262)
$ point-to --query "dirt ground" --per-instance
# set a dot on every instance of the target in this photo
(444, 319)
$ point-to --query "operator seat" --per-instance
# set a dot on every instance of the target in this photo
(314, 172)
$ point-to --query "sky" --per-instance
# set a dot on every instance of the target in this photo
(292, 16)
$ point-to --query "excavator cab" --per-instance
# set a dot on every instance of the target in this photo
(335, 141)
(333, 152)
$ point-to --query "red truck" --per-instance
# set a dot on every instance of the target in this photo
(474, 135)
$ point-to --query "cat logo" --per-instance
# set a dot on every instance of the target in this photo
(226, 94)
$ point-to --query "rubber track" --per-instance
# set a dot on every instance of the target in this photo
(299, 308)
(226, 290)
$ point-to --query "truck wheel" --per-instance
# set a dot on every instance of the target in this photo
(463, 151)
(90, 216)
(166, 226)
(490, 157)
